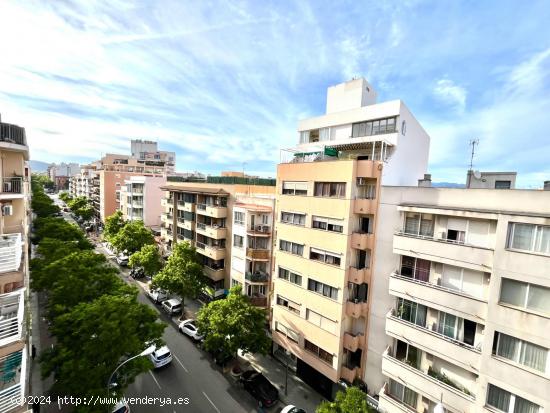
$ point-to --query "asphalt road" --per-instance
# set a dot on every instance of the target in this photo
(192, 375)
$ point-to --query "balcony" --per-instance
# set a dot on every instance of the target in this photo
(349, 373)
(12, 134)
(169, 201)
(359, 276)
(215, 274)
(216, 253)
(257, 254)
(257, 276)
(211, 231)
(362, 241)
(212, 210)
(364, 206)
(353, 341)
(390, 405)
(11, 250)
(259, 231)
(12, 311)
(432, 294)
(422, 383)
(356, 309)
(186, 206)
(13, 373)
(185, 223)
(444, 251)
(459, 353)
(258, 301)
(12, 185)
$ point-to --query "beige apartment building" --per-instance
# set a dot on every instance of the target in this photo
(328, 189)
(461, 288)
(229, 221)
(14, 265)
(140, 199)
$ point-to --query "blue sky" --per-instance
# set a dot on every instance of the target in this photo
(225, 84)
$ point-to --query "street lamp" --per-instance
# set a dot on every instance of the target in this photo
(145, 352)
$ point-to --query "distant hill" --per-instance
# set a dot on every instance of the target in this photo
(38, 166)
(447, 185)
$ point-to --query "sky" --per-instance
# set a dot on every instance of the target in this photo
(224, 83)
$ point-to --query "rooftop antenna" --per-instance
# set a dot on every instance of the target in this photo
(473, 143)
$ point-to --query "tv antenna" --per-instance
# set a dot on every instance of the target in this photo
(473, 143)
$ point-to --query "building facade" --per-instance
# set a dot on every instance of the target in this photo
(147, 151)
(326, 218)
(14, 265)
(140, 199)
(462, 289)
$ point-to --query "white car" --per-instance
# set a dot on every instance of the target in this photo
(122, 259)
(292, 409)
(157, 295)
(121, 407)
(161, 357)
(172, 306)
(189, 328)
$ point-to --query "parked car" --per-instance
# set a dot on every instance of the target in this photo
(172, 306)
(122, 259)
(137, 272)
(209, 294)
(292, 409)
(189, 328)
(121, 407)
(157, 295)
(260, 388)
(161, 357)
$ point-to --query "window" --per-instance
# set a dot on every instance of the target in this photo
(403, 394)
(293, 218)
(292, 247)
(238, 241)
(321, 321)
(524, 295)
(419, 224)
(324, 289)
(415, 268)
(373, 127)
(289, 333)
(520, 351)
(330, 189)
(503, 184)
(328, 224)
(265, 219)
(290, 305)
(235, 282)
(466, 281)
(239, 218)
(290, 276)
(529, 237)
(507, 402)
(448, 325)
(294, 188)
(324, 256)
(319, 352)
(412, 312)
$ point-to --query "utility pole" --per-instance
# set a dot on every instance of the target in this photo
(473, 143)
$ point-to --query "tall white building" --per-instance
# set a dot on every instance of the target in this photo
(147, 152)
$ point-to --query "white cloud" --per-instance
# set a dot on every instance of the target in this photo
(450, 93)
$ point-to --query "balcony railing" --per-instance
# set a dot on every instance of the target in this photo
(257, 276)
(12, 373)
(11, 316)
(200, 245)
(201, 207)
(258, 301)
(12, 134)
(257, 254)
(12, 185)
(11, 250)
(200, 225)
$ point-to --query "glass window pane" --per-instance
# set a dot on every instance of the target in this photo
(508, 346)
(498, 398)
(523, 236)
(513, 292)
(542, 240)
(533, 356)
(524, 406)
(538, 298)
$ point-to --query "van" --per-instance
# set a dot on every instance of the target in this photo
(172, 306)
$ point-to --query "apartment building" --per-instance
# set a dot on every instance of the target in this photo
(229, 221)
(14, 260)
(140, 199)
(326, 213)
(61, 174)
(147, 152)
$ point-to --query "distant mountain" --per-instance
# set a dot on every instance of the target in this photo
(38, 166)
(447, 185)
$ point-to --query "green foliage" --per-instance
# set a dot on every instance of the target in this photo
(103, 333)
(232, 324)
(59, 229)
(81, 207)
(42, 205)
(353, 400)
(41, 181)
(113, 224)
(148, 257)
(132, 237)
(183, 273)
(65, 197)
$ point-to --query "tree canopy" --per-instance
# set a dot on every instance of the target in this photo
(148, 257)
(232, 324)
(353, 400)
(132, 237)
(59, 229)
(81, 207)
(183, 273)
(113, 224)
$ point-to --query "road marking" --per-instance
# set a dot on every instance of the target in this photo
(153, 376)
(211, 402)
(181, 364)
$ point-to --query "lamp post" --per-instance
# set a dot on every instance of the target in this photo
(145, 352)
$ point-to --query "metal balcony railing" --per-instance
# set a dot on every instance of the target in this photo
(11, 250)
(13, 185)
(12, 134)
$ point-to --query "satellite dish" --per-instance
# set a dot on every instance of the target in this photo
(477, 175)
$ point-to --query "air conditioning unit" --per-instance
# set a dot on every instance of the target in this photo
(7, 210)
(259, 228)
(7, 186)
(362, 181)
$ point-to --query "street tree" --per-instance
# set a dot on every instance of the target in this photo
(353, 400)
(81, 207)
(113, 224)
(148, 257)
(42, 205)
(183, 274)
(132, 237)
(93, 339)
(233, 324)
(59, 229)
(65, 197)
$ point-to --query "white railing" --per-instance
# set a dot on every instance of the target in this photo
(12, 311)
(13, 373)
(445, 240)
(11, 249)
(8, 398)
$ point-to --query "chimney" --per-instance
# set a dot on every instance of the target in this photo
(547, 185)
(425, 182)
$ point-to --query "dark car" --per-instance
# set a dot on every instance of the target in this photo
(260, 388)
